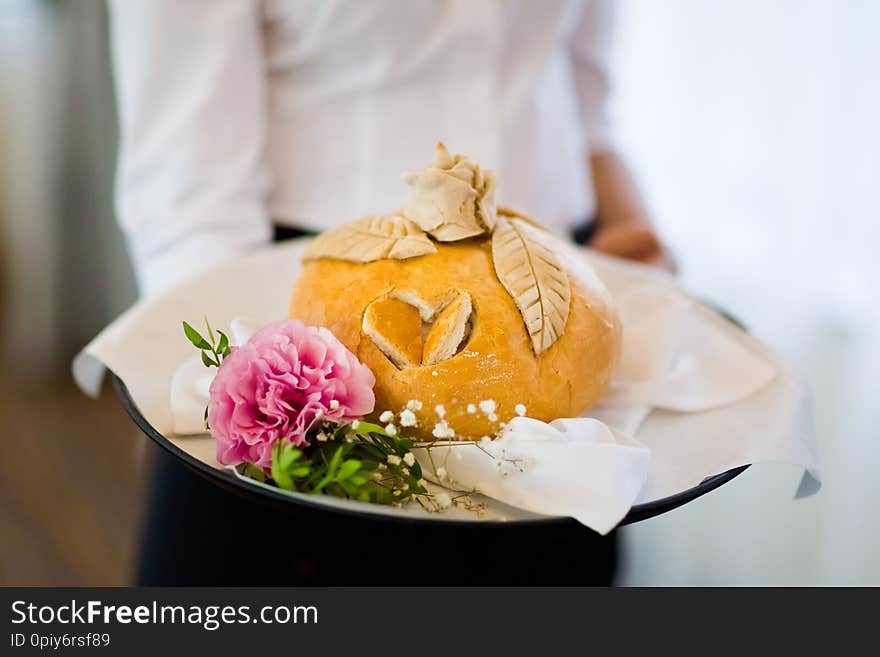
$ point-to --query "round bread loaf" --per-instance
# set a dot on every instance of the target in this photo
(442, 329)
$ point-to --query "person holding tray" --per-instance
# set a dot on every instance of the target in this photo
(245, 121)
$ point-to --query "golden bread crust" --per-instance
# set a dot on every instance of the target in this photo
(496, 363)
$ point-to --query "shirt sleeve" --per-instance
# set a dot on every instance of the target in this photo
(192, 178)
(590, 55)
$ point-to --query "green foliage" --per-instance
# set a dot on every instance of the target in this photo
(350, 463)
(213, 350)
(252, 471)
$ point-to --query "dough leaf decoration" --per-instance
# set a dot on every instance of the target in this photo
(527, 266)
(452, 198)
(412, 331)
(372, 238)
(395, 327)
(448, 331)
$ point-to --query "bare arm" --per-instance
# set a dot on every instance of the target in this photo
(624, 228)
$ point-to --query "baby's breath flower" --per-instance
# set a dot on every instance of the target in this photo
(386, 416)
(471, 408)
(440, 409)
(492, 417)
(443, 500)
(393, 459)
(334, 404)
(422, 483)
(322, 437)
(407, 418)
(390, 429)
(435, 373)
(409, 459)
(405, 471)
(414, 405)
(487, 406)
(520, 409)
(355, 424)
(443, 430)
(441, 473)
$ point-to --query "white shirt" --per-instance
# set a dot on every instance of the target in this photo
(235, 114)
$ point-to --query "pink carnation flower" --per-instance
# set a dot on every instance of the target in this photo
(280, 383)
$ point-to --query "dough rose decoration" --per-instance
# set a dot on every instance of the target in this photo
(452, 198)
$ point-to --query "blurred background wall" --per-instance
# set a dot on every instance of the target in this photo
(71, 475)
(754, 128)
(64, 266)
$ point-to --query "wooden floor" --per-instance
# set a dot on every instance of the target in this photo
(70, 489)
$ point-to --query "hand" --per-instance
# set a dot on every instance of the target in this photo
(633, 240)
(624, 229)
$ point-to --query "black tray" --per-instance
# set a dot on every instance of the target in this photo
(230, 482)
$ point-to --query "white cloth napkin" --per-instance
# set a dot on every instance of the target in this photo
(593, 468)
(693, 396)
(578, 467)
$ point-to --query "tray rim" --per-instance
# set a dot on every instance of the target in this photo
(637, 513)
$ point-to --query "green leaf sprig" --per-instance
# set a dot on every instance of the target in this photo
(213, 350)
(359, 461)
